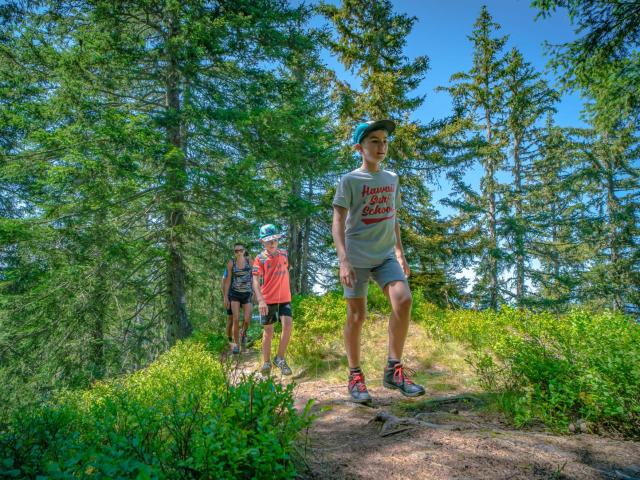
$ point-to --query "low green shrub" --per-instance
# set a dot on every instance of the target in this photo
(556, 369)
(318, 324)
(179, 418)
(376, 300)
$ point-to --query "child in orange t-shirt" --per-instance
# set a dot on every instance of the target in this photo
(274, 296)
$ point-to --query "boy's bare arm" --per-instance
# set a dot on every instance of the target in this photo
(262, 305)
(400, 251)
(347, 274)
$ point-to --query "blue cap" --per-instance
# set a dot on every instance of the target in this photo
(268, 232)
(364, 129)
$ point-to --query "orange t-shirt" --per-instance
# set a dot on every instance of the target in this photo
(274, 270)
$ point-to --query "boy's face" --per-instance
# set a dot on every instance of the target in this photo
(374, 146)
(270, 245)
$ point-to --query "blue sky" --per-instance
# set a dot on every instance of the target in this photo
(441, 33)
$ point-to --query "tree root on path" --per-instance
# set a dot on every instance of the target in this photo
(458, 402)
(392, 424)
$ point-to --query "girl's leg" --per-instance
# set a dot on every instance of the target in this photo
(229, 329)
(235, 309)
(247, 318)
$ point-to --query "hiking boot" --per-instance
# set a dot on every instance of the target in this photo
(281, 363)
(357, 388)
(235, 350)
(266, 369)
(396, 378)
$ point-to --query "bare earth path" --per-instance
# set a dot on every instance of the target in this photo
(449, 441)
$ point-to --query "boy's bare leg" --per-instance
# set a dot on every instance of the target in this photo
(356, 314)
(394, 375)
(400, 298)
(235, 310)
(285, 336)
(266, 342)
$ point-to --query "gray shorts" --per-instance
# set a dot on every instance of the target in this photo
(388, 271)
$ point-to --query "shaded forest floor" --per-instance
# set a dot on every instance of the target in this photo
(447, 434)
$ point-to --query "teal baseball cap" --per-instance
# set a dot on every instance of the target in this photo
(268, 232)
(365, 128)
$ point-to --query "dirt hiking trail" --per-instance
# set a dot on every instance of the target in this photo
(447, 435)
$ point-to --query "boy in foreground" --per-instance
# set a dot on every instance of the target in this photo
(274, 297)
(367, 237)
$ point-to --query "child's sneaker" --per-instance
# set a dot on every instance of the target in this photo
(357, 388)
(281, 363)
(266, 369)
(235, 350)
(396, 378)
(243, 341)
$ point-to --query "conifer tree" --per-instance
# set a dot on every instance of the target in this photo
(528, 99)
(608, 40)
(478, 97)
(614, 187)
(603, 65)
(556, 213)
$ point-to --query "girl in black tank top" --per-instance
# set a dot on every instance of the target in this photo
(238, 293)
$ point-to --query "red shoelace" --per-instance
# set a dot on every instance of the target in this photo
(357, 379)
(399, 375)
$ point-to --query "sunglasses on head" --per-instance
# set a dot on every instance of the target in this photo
(238, 249)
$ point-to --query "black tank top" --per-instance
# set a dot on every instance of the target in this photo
(241, 277)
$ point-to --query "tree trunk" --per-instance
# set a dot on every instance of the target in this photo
(306, 238)
(612, 214)
(294, 257)
(295, 243)
(519, 240)
(491, 197)
(178, 325)
(97, 330)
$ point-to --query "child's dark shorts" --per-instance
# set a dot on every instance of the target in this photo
(242, 297)
(276, 310)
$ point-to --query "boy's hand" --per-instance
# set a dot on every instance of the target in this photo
(262, 308)
(405, 265)
(347, 274)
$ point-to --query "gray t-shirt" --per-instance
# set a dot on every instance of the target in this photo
(372, 199)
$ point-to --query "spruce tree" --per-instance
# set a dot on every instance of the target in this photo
(556, 210)
(478, 97)
(528, 99)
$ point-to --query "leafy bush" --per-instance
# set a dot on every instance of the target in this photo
(376, 299)
(179, 418)
(557, 369)
(318, 324)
